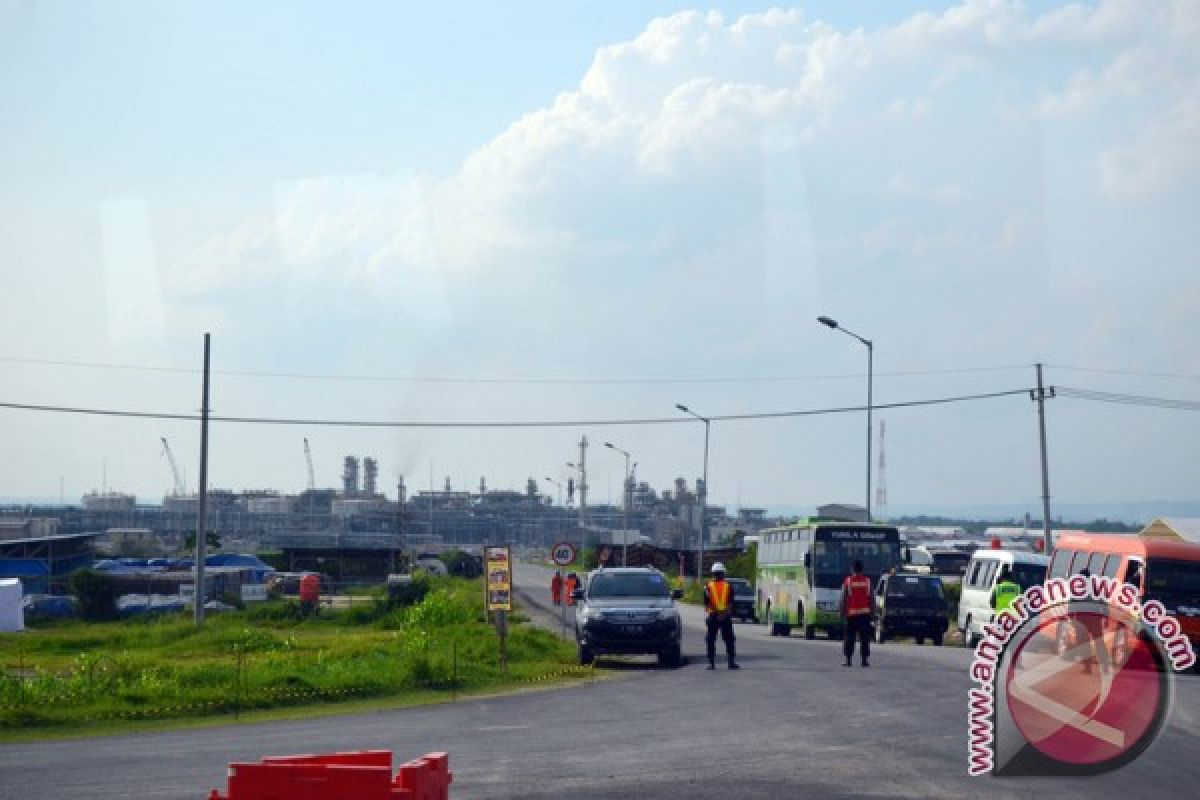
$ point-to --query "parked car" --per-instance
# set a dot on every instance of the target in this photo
(983, 573)
(744, 606)
(911, 605)
(628, 610)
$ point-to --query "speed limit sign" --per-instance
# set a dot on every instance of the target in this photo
(562, 553)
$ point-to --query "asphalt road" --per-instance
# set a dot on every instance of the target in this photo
(791, 723)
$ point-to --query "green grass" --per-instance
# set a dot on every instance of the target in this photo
(68, 677)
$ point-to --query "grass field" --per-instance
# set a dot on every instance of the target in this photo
(71, 676)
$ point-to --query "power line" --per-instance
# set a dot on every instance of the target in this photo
(503, 380)
(501, 423)
(1135, 373)
(1128, 399)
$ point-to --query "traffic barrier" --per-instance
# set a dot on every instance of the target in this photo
(362, 775)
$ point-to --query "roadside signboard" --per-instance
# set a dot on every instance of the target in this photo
(254, 592)
(562, 553)
(497, 563)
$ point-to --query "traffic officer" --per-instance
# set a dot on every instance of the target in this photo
(856, 614)
(556, 587)
(1006, 591)
(718, 603)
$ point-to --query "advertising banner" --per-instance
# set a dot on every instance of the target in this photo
(497, 564)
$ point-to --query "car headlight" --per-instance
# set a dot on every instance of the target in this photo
(825, 606)
(590, 615)
(668, 614)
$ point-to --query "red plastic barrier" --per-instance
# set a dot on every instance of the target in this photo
(363, 775)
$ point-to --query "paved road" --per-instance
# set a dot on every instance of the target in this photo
(792, 723)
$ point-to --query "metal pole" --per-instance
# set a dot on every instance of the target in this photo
(703, 505)
(870, 376)
(202, 522)
(625, 516)
(1041, 401)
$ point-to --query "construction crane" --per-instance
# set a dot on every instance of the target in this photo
(312, 481)
(179, 488)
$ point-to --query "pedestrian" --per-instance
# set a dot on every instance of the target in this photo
(718, 603)
(856, 614)
(556, 587)
(569, 586)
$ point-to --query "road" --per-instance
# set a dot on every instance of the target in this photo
(791, 723)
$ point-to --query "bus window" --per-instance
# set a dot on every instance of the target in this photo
(1133, 573)
(1096, 563)
(1111, 565)
(1060, 563)
(989, 576)
(1079, 563)
(1027, 575)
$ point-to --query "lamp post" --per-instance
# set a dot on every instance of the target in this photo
(624, 506)
(582, 508)
(703, 493)
(830, 323)
(556, 483)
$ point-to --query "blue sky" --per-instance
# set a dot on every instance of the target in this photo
(599, 190)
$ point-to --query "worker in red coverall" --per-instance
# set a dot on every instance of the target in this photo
(569, 587)
(556, 587)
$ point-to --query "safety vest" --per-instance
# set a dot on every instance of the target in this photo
(719, 594)
(858, 600)
(1006, 592)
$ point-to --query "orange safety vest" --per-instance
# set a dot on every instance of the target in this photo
(718, 596)
(858, 600)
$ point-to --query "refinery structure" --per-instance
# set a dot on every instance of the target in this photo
(372, 528)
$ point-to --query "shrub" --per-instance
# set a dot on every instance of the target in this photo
(96, 594)
(461, 565)
(401, 595)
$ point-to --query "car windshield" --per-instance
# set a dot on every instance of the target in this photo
(1027, 575)
(951, 563)
(1173, 582)
(905, 586)
(741, 587)
(615, 584)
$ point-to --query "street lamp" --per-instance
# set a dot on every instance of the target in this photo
(703, 494)
(558, 484)
(624, 506)
(830, 323)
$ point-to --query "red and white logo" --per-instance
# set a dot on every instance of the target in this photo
(1075, 679)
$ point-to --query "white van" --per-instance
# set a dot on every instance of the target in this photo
(983, 573)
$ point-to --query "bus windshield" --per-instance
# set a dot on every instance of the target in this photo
(834, 559)
(1173, 582)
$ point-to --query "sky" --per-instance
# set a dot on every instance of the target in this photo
(547, 211)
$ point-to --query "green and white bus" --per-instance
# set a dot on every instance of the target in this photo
(801, 567)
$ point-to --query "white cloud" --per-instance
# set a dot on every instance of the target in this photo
(907, 161)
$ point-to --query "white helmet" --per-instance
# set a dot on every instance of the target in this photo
(718, 567)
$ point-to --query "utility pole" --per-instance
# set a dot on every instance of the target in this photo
(202, 522)
(1040, 395)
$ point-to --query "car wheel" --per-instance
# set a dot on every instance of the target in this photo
(920, 640)
(586, 656)
(937, 640)
(671, 657)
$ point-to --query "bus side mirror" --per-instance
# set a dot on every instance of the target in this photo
(577, 594)
(808, 559)
(677, 594)
(907, 556)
